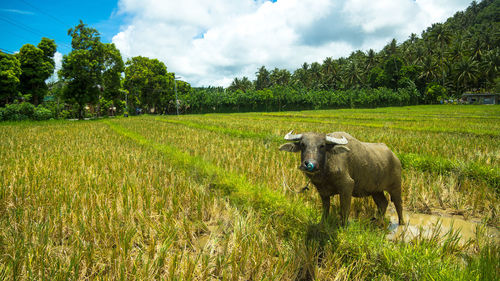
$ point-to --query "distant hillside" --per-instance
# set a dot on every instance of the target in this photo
(447, 59)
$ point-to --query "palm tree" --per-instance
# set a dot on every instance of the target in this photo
(456, 50)
(263, 80)
(419, 54)
(429, 69)
(352, 75)
(467, 73)
(413, 38)
(476, 49)
(441, 34)
(300, 76)
(490, 66)
(315, 75)
(327, 67)
(371, 60)
(392, 48)
(280, 77)
(243, 84)
(329, 71)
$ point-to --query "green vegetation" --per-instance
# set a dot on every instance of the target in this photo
(200, 197)
(447, 60)
(91, 81)
(90, 68)
(151, 86)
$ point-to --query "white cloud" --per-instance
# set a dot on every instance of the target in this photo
(58, 60)
(211, 42)
(20, 12)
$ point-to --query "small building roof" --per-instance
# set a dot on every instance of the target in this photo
(480, 94)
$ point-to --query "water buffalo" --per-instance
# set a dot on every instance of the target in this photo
(337, 163)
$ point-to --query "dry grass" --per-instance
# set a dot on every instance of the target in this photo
(141, 198)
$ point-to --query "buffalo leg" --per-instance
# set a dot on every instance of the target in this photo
(325, 200)
(345, 204)
(381, 202)
(398, 203)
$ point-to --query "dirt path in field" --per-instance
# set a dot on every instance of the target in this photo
(427, 225)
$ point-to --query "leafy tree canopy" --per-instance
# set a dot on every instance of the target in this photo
(91, 68)
(10, 71)
(37, 65)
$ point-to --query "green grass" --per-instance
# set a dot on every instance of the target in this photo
(438, 165)
(208, 197)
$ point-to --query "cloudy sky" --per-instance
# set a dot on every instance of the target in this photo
(209, 42)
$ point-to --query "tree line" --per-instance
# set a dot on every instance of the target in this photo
(93, 80)
(446, 60)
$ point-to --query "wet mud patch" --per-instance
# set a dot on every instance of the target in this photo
(438, 225)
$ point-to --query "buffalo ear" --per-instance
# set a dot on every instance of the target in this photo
(290, 147)
(337, 149)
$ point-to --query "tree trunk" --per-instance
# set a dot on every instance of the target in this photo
(80, 111)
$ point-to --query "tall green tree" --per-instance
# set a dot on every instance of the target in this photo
(315, 75)
(442, 36)
(91, 69)
(392, 67)
(301, 77)
(352, 75)
(82, 68)
(49, 47)
(330, 73)
(280, 77)
(10, 71)
(111, 76)
(467, 73)
(490, 67)
(37, 65)
(263, 80)
(243, 84)
(149, 83)
(429, 70)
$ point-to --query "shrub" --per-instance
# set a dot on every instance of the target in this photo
(64, 114)
(27, 109)
(434, 93)
(18, 111)
(24, 111)
(42, 113)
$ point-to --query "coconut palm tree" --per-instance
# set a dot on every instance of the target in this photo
(429, 69)
(243, 84)
(329, 71)
(467, 73)
(263, 80)
(300, 77)
(352, 75)
(490, 66)
(315, 75)
(371, 60)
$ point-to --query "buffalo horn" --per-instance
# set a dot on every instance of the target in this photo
(291, 137)
(333, 140)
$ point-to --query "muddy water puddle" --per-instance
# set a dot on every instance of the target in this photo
(428, 226)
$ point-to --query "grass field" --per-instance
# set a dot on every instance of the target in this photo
(200, 197)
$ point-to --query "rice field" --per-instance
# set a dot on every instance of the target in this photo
(200, 197)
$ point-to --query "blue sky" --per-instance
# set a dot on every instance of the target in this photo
(210, 42)
(27, 21)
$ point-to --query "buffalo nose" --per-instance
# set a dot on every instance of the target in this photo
(309, 165)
